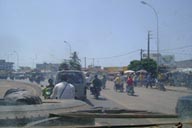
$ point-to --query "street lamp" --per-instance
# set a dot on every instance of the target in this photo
(17, 59)
(8, 56)
(69, 45)
(145, 3)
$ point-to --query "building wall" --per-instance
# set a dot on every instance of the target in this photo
(6, 65)
(164, 60)
(47, 67)
(184, 64)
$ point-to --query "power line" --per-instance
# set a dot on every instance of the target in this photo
(110, 57)
(178, 48)
(180, 53)
(183, 47)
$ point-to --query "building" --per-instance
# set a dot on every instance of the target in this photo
(8, 66)
(164, 60)
(184, 64)
(113, 69)
(24, 69)
(47, 67)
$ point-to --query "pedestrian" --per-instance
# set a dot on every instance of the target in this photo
(104, 80)
(148, 80)
(135, 77)
(63, 90)
(141, 79)
(122, 80)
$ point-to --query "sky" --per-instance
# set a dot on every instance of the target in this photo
(106, 32)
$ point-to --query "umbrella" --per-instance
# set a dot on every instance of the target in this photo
(129, 71)
(142, 71)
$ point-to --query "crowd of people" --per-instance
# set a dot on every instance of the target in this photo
(141, 79)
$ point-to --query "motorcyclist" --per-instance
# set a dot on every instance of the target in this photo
(97, 84)
(130, 86)
(47, 91)
(117, 82)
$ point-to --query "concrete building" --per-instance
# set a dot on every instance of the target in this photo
(184, 64)
(164, 60)
(8, 66)
(47, 67)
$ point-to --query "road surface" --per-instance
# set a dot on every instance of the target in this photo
(152, 100)
(148, 99)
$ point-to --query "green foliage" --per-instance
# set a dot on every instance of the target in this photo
(147, 64)
(72, 64)
(75, 62)
(135, 65)
(64, 66)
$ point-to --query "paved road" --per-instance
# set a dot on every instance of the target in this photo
(145, 99)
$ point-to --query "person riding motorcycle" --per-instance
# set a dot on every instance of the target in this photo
(47, 91)
(97, 84)
(130, 86)
(119, 82)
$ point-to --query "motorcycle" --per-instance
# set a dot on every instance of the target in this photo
(95, 91)
(118, 87)
(47, 92)
(130, 90)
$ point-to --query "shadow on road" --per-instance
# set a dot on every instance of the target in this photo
(101, 98)
(135, 95)
(88, 102)
(107, 89)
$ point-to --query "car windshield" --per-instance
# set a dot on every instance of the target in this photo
(127, 63)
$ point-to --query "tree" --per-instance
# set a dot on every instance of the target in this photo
(64, 66)
(147, 64)
(75, 62)
(72, 64)
(135, 65)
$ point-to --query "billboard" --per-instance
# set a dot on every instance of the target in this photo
(167, 60)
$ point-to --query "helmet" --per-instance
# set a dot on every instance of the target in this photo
(50, 80)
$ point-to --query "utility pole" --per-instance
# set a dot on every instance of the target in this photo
(93, 62)
(141, 54)
(148, 45)
(85, 62)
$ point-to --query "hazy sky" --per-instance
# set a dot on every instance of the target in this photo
(111, 31)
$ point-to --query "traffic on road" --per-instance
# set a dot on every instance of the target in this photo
(96, 63)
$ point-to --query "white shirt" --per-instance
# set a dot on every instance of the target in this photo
(60, 93)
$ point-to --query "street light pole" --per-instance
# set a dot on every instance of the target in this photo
(17, 59)
(69, 45)
(145, 3)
